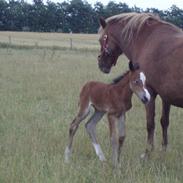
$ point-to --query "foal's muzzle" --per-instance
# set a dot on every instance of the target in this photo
(145, 100)
(145, 96)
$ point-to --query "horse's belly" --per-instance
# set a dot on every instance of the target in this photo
(173, 96)
(178, 102)
(166, 78)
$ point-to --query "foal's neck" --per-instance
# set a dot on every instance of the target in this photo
(123, 87)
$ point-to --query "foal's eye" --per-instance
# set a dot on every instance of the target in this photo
(137, 81)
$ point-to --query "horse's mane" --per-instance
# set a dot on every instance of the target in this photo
(134, 22)
(119, 78)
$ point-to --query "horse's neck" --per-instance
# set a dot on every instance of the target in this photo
(148, 35)
(133, 47)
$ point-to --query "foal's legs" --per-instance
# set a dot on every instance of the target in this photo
(114, 138)
(150, 115)
(91, 129)
(121, 133)
(165, 123)
(83, 113)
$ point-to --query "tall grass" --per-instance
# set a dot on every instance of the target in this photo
(39, 91)
(48, 40)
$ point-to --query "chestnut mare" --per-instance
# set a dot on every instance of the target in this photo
(158, 48)
(113, 99)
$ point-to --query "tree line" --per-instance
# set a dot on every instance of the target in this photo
(77, 16)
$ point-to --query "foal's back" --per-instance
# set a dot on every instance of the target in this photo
(95, 91)
(106, 97)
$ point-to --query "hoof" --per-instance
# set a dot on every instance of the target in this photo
(102, 158)
(116, 166)
(164, 148)
(67, 155)
(144, 156)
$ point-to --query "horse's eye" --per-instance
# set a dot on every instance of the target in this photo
(137, 81)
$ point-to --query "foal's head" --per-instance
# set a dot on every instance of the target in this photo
(137, 82)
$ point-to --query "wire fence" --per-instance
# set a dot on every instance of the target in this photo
(49, 40)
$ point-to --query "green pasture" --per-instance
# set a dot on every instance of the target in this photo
(39, 89)
(49, 40)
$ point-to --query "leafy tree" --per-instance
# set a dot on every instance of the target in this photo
(14, 15)
(136, 9)
(155, 11)
(100, 9)
(80, 16)
(37, 16)
(3, 15)
(114, 8)
(74, 15)
(175, 16)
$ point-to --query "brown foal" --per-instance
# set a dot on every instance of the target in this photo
(113, 99)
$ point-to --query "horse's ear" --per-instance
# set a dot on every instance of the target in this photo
(102, 22)
(131, 66)
(152, 20)
(134, 66)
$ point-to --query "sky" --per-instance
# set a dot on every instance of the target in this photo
(159, 4)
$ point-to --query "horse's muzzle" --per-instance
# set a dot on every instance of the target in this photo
(101, 66)
(104, 69)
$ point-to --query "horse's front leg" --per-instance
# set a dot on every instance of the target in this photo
(150, 115)
(114, 138)
(165, 123)
(121, 133)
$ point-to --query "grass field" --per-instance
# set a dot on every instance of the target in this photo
(49, 40)
(39, 91)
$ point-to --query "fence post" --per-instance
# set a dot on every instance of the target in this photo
(9, 44)
(71, 43)
(9, 40)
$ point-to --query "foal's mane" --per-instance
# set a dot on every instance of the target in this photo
(134, 23)
(119, 78)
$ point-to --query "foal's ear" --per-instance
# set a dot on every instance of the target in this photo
(102, 22)
(133, 66)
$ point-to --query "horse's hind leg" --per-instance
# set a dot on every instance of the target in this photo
(165, 123)
(91, 129)
(114, 138)
(121, 133)
(72, 130)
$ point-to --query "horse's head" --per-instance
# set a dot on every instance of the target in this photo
(110, 49)
(137, 82)
(125, 32)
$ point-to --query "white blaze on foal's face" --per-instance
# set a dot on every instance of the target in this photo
(137, 85)
(143, 79)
